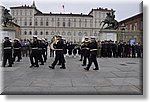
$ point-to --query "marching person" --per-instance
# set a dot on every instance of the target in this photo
(59, 51)
(40, 50)
(44, 50)
(17, 50)
(85, 50)
(34, 52)
(93, 54)
(7, 52)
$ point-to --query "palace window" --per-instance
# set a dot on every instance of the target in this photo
(80, 23)
(25, 32)
(25, 23)
(68, 33)
(35, 33)
(46, 32)
(63, 24)
(46, 23)
(41, 33)
(69, 24)
(20, 12)
(63, 33)
(41, 23)
(58, 24)
(80, 34)
(85, 22)
(30, 33)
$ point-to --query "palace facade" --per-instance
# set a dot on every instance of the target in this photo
(73, 27)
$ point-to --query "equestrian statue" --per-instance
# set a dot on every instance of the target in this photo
(110, 21)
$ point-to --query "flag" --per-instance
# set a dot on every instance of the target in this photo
(63, 6)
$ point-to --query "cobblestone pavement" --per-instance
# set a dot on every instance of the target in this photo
(116, 76)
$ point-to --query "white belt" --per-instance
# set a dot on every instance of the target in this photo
(58, 49)
(16, 48)
(93, 50)
(34, 48)
(86, 48)
(7, 48)
(39, 48)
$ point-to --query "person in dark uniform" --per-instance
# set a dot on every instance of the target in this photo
(109, 49)
(70, 48)
(93, 54)
(115, 49)
(80, 51)
(17, 50)
(74, 50)
(139, 50)
(133, 50)
(86, 51)
(44, 49)
(34, 52)
(120, 49)
(59, 52)
(105, 53)
(40, 50)
(46, 45)
(7, 52)
(102, 49)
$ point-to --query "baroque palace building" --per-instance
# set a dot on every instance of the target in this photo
(73, 27)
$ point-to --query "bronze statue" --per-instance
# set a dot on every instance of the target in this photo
(6, 17)
(110, 21)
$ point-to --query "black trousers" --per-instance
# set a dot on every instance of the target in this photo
(34, 57)
(44, 52)
(17, 53)
(92, 59)
(40, 56)
(7, 56)
(85, 58)
(59, 57)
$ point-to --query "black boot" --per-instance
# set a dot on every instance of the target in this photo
(52, 67)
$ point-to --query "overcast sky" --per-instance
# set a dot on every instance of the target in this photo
(123, 8)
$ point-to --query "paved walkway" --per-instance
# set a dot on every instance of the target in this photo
(116, 76)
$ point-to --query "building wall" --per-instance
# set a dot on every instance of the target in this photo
(73, 28)
(133, 28)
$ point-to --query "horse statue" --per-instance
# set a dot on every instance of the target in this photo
(6, 17)
(110, 21)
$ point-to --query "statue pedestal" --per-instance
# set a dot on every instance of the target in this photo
(7, 31)
(107, 34)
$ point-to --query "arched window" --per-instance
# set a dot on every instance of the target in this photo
(41, 33)
(63, 33)
(46, 32)
(68, 33)
(30, 33)
(25, 32)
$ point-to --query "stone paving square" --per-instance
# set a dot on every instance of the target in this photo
(116, 76)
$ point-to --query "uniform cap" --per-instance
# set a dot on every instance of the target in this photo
(93, 37)
(59, 35)
(86, 37)
(16, 39)
(34, 36)
(39, 39)
(43, 39)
